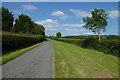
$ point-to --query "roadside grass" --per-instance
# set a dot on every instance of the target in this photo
(75, 62)
(12, 55)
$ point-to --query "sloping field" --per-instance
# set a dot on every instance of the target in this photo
(75, 62)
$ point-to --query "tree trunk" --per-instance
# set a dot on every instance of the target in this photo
(99, 37)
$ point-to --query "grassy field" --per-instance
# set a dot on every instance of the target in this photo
(12, 55)
(75, 62)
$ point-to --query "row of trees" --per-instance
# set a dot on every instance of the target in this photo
(23, 24)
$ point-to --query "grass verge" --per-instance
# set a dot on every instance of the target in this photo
(12, 55)
(75, 62)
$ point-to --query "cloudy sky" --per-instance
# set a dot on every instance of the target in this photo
(65, 17)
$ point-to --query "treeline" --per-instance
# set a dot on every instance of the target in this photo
(108, 44)
(21, 32)
(23, 24)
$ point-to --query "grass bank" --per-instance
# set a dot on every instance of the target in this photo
(12, 55)
(75, 62)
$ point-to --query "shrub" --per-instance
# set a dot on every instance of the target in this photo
(108, 46)
(12, 41)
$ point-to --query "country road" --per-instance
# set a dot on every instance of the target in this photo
(37, 63)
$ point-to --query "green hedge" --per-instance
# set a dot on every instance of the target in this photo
(107, 45)
(71, 41)
(12, 41)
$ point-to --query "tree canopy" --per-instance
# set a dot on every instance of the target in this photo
(24, 24)
(38, 29)
(97, 22)
(58, 34)
(7, 19)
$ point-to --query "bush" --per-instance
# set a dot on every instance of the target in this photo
(108, 46)
(71, 41)
(89, 43)
(12, 41)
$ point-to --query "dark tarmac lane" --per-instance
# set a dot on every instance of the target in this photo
(37, 63)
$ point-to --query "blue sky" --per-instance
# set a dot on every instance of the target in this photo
(65, 17)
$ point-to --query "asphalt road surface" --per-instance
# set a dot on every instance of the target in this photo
(37, 63)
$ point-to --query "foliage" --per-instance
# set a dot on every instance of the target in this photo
(97, 22)
(38, 29)
(58, 35)
(7, 19)
(71, 41)
(23, 24)
(108, 45)
(12, 41)
(23, 33)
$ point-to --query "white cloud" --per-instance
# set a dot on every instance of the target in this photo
(51, 29)
(80, 13)
(75, 34)
(59, 14)
(48, 23)
(51, 26)
(88, 33)
(73, 31)
(29, 7)
(114, 14)
(64, 17)
(70, 31)
(73, 25)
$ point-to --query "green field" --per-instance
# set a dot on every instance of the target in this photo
(75, 62)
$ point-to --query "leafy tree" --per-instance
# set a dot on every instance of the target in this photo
(38, 29)
(97, 22)
(23, 24)
(7, 19)
(0, 19)
(58, 34)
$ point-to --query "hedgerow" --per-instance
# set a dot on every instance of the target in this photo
(108, 45)
(13, 41)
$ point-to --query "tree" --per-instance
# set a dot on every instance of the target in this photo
(38, 29)
(97, 22)
(7, 19)
(58, 34)
(23, 24)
